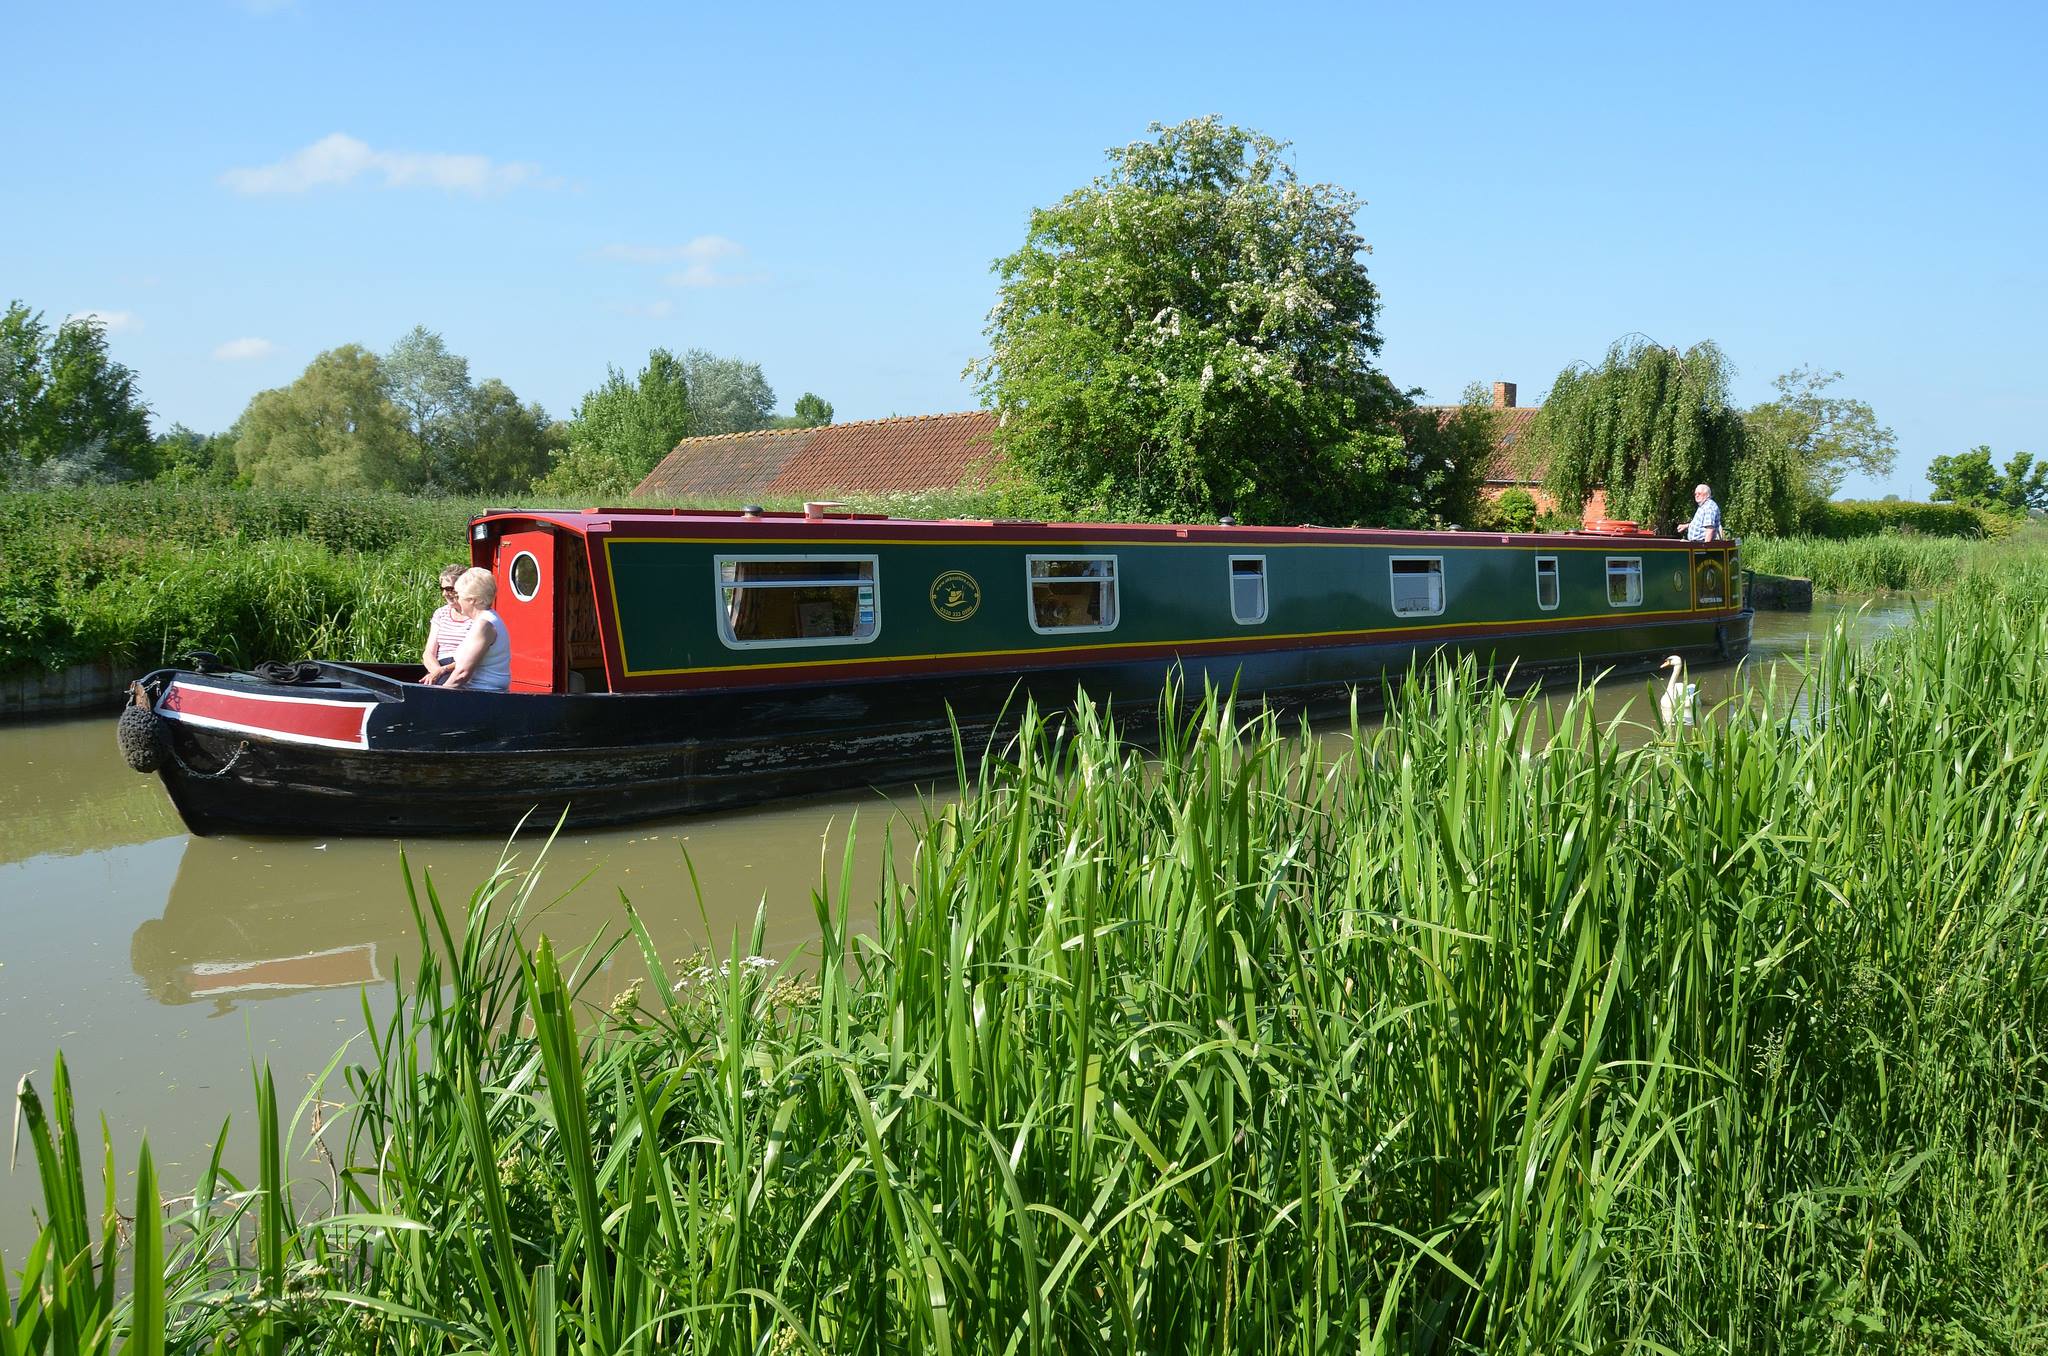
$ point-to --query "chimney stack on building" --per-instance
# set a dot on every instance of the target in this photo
(1503, 395)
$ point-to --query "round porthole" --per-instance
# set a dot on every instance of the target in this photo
(525, 574)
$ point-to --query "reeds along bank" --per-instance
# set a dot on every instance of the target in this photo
(1486, 1030)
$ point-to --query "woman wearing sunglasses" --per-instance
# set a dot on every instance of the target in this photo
(448, 629)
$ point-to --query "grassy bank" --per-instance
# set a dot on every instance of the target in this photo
(1903, 564)
(142, 573)
(1470, 1036)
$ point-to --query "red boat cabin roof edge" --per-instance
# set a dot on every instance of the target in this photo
(831, 525)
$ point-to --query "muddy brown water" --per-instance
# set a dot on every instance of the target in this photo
(165, 966)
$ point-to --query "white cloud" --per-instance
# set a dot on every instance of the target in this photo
(339, 159)
(707, 261)
(654, 310)
(113, 322)
(242, 350)
(701, 249)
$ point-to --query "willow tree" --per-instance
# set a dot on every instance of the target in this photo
(1647, 425)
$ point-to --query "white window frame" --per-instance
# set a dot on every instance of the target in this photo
(719, 584)
(1116, 601)
(1443, 592)
(512, 577)
(1556, 579)
(1265, 592)
(1632, 567)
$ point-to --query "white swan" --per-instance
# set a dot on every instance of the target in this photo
(1679, 703)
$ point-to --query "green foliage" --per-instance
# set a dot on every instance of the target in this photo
(335, 429)
(1826, 436)
(1480, 1032)
(69, 414)
(1970, 478)
(726, 395)
(1861, 564)
(1648, 424)
(1909, 564)
(431, 386)
(504, 446)
(1842, 519)
(1514, 510)
(812, 411)
(141, 573)
(622, 431)
(412, 420)
(1447, 456)
(1192, 335)
(180, 454)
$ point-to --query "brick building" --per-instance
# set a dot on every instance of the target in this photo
(947, 451)
(869, 456)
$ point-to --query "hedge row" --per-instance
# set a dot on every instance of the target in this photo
(1843, 520)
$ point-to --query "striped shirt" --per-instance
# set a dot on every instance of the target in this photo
(448, 631)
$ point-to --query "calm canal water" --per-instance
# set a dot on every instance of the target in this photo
(165, 966)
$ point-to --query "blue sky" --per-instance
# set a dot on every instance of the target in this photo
(237, 186)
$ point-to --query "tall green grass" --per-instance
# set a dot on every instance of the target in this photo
(1482, 1030)
(142, 573)
(1916, 564)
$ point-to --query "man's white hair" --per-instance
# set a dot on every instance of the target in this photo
(1701, 489)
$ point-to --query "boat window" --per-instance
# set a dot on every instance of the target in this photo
(797, 600)
(1546, 583)
(1418, 585)
(525, 576)
(1072, 593)
(1624, 581)
(1247, 589)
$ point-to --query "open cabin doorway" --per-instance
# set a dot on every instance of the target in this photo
(550, 613)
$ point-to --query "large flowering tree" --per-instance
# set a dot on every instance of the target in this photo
(1193, 335)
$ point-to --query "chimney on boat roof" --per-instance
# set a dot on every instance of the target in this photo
(814, 509)
(1503, 395)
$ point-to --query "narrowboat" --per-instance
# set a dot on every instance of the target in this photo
(668, 661)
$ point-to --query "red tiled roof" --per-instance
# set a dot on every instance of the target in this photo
(915, 452)
(918, 452)
(1508, 465)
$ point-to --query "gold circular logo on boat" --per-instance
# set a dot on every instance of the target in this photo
(955, 595)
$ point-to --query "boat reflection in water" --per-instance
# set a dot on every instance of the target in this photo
(220, 941)
(261, 918)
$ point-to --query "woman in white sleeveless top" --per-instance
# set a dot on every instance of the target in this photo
(484, 661)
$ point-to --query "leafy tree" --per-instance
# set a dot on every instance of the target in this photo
(23, 338)
(727, 395)
(1446, 458)
(812, 411)
(1514, 511)
(69, 414)
(1648, 424)
(1827, 436)
(335, 428)
(1192, 334)
(622, 430)
(1970, 478)
(432, 387)
(504, 446)
(184, 454)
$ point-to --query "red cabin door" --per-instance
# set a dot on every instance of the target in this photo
(525, 566)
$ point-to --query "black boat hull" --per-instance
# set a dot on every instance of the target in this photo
(433, 761)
